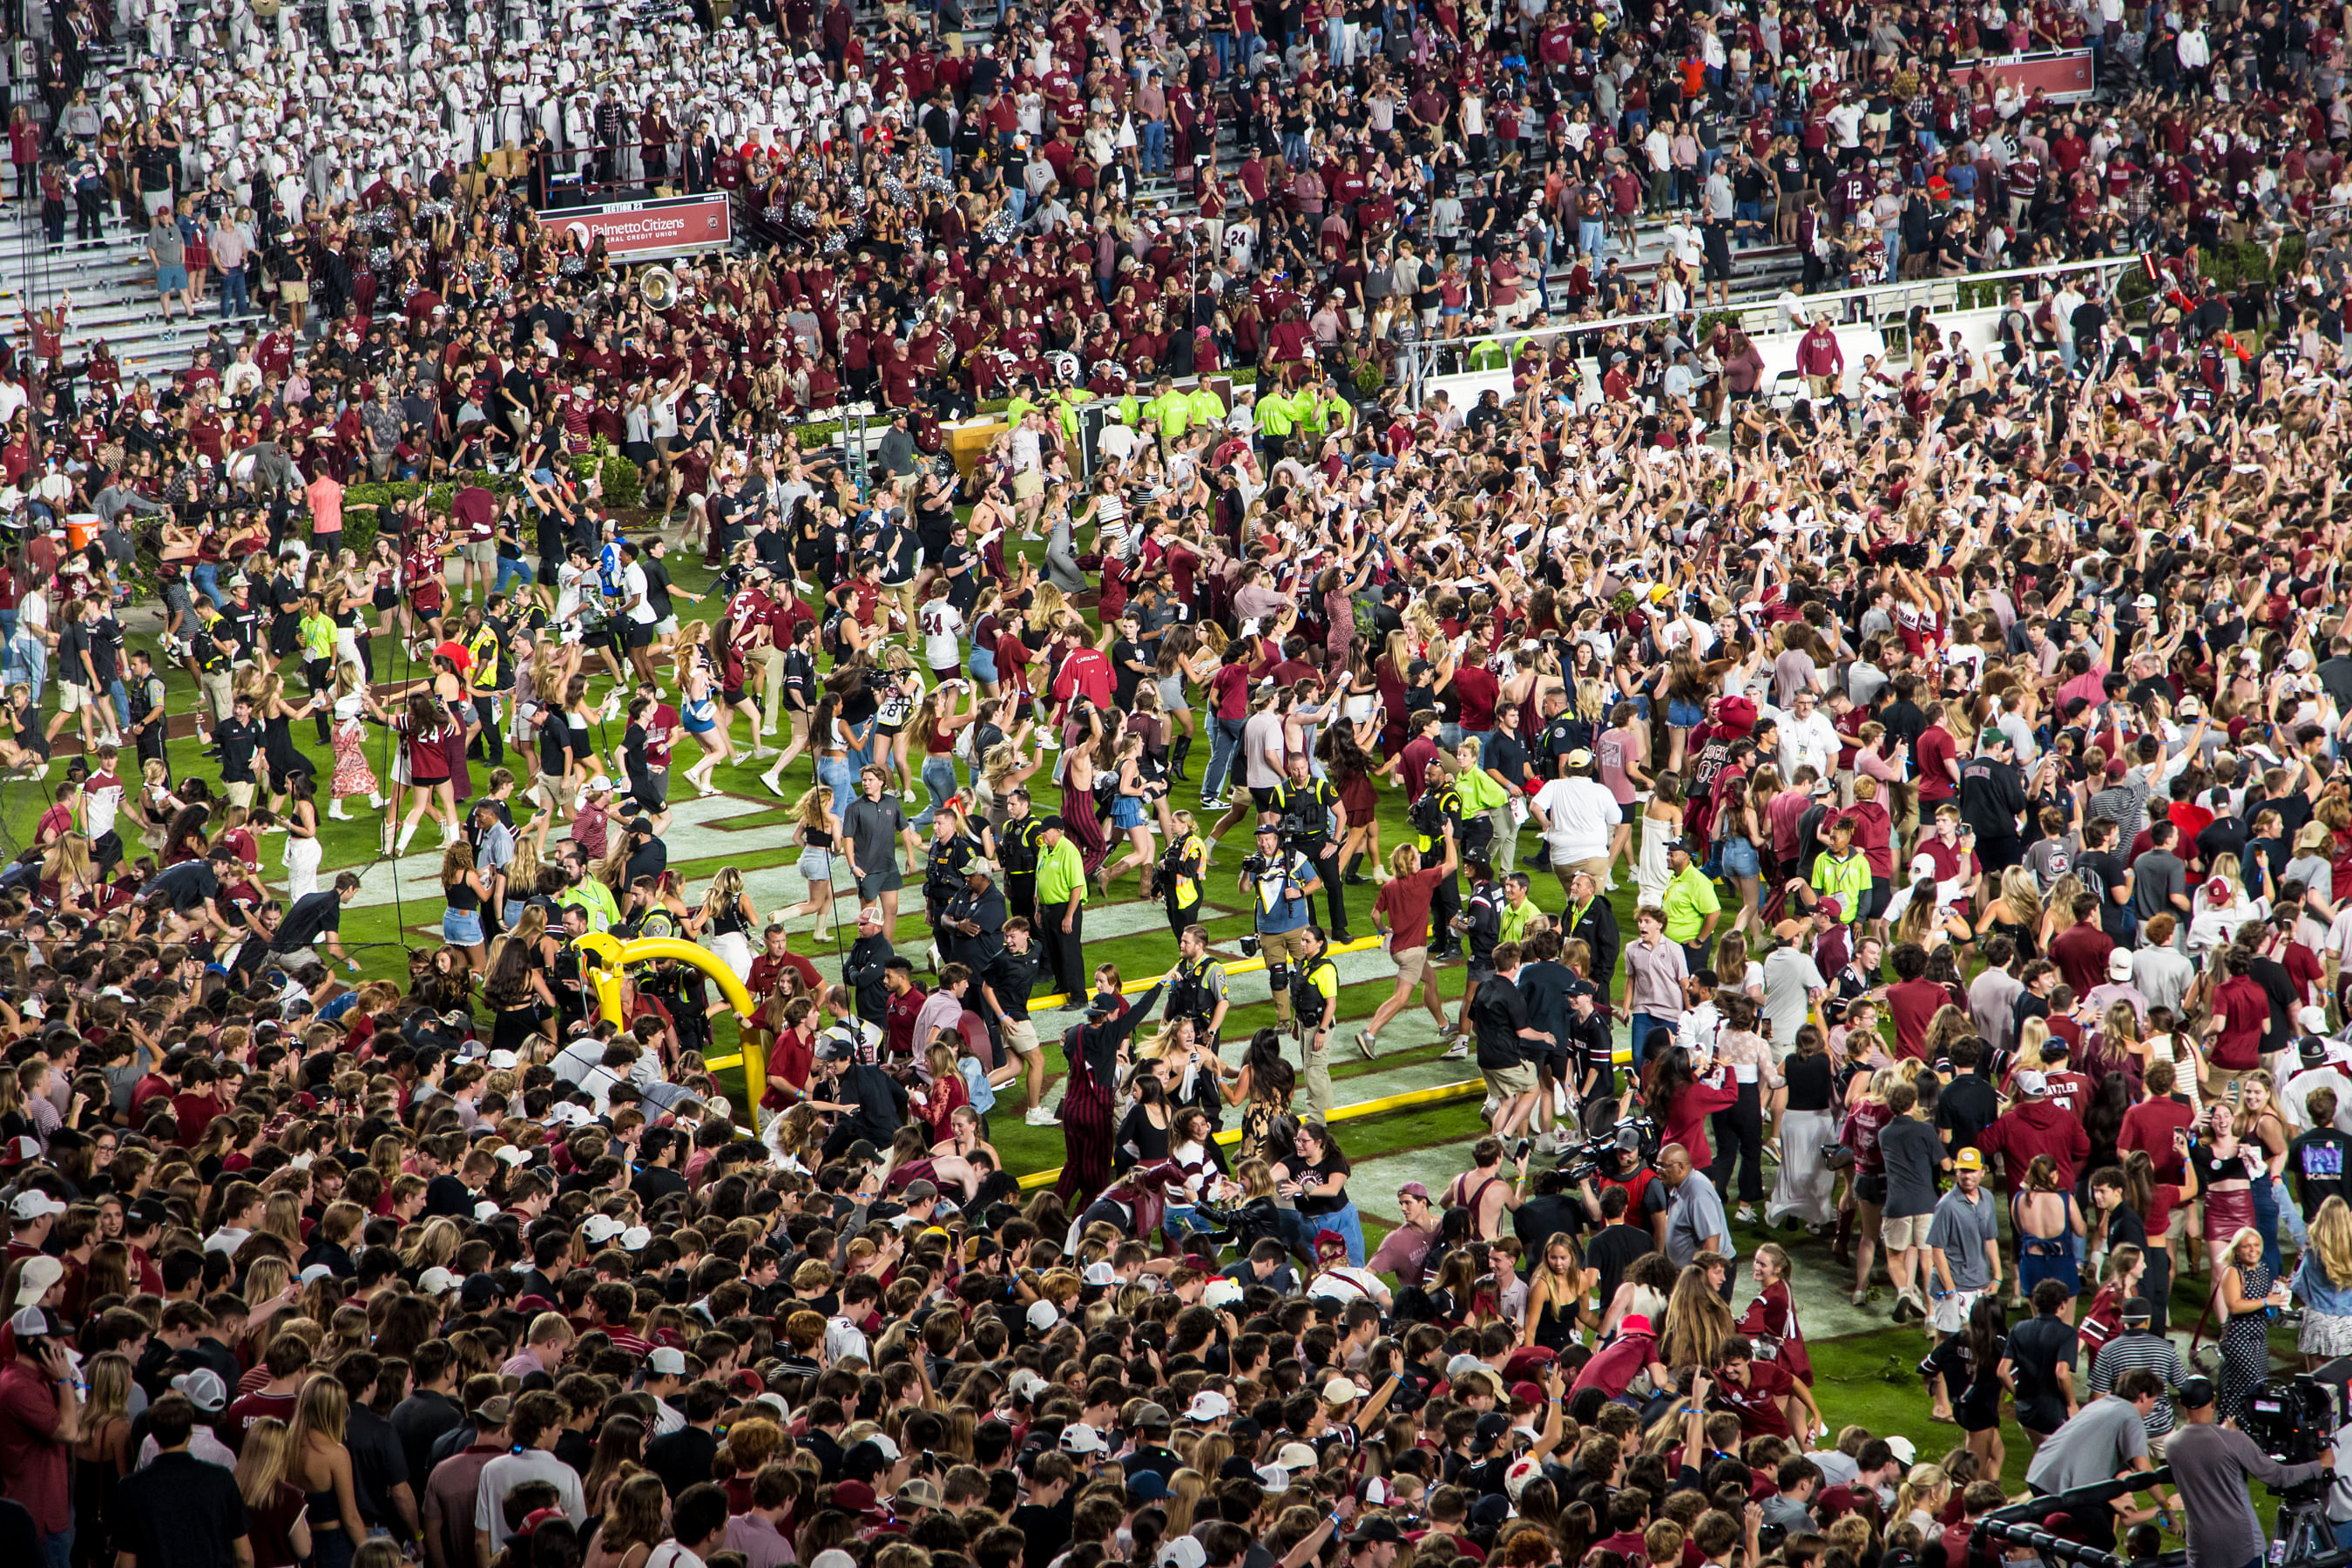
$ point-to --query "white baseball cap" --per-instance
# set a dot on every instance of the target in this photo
(667, 1361)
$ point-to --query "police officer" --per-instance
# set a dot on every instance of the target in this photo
(1315, 822)
(1182, 866)
(1439, 806)
(1196, 986)
(1315, 1003)
(974, 919)
(1480, 924)
(1016, 847)
(490, 678)
(954, 848)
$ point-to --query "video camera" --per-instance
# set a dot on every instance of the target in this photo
(1607, 1135)
(2295, 1419)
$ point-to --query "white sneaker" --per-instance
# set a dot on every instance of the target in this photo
(908, 795)
(1048, 743)
(775, 785)
(1041, 1116)
(1455, 1052)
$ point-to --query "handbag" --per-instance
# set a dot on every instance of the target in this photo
(1837, 1157)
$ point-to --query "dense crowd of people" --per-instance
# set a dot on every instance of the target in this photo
(1968, 736)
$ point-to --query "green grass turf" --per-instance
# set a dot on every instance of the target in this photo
(379, 937)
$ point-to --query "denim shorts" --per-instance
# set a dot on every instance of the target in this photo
(461, 928)
(1684, 715)
(1740, 858)
(983, 667)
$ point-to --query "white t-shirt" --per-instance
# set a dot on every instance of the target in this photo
(1578, 814)
(633, 584)
(944, 626)
(508, 1472)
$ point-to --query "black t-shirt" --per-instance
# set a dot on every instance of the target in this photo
(2317, 1161)
(1500, 1012)
(1125, 679)
(185, 886)
(2102, 873)
(2037, 1349)
(73, 641)
(312, 916)
(238, 739)
(682, 1458)
(1047, 1530)
(1613, 1248)
(1965, 1109)
(1810, 1081)
(649, 858)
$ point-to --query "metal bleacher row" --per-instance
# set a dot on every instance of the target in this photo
(110, 281)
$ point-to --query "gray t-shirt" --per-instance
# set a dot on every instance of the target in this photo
(1961, 1228)
(2156, 876)
(1695, 1219)
(1790, 977)
(2105, 1436)
(873, 827)
(1911, 1149)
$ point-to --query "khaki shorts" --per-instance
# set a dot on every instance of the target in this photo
(294, 293)
(70, 697)
(218, 694)
(1028, 485)
(1900, 1235)
(1506, 1082)
(1412, 965)
(2175, 1225)
(240, 793)
(483, 553)
(2158, 1444)
(1020, 1038)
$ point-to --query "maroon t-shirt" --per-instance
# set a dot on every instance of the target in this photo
(2150, 1125)
(1913, 1002)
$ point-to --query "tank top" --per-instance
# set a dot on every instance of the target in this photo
(461, 896)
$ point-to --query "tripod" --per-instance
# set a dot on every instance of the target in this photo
(2302, 1531)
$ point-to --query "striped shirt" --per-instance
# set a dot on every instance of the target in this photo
(2138, 1348)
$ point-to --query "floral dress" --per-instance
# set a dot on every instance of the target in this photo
(352, 775)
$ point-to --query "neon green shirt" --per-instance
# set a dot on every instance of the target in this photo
(1275, 416)
(1846, 881)
(1478, 790)
(1690, 899)
(1206, 405)
(1061, 870)
(1519, 918)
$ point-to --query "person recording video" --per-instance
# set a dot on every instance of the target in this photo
(2211, 1465)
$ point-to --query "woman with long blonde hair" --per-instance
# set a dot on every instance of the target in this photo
(101, 1455)
(817, 828)
(318, 1462)
(725, 921)
(273, 1504)
(2323, 1283)
(1698, 1320)
(1557, 1291)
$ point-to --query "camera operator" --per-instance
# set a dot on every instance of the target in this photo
(1282, 888)
(1315, 823)
(2211, 1465)
(1647, 1202)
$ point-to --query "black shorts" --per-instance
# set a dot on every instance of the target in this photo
(641, 634)
(1264, 798)
(1479, 969)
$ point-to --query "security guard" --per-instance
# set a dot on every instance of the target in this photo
(1308, 810)
(214, 650)
(974, 919)
(1182, 866)
(1016, 847)
(954, 848)
(1439, 805)
(485, 642)
(1196, 986)
(1315, 1003)
(1482, 923)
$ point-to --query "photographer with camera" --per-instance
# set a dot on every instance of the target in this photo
(1315, 823)
(2212, 1465)
(1282, 888)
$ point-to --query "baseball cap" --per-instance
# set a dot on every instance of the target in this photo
(1217, 1293)
(1903, 1448)
(1295, 1456)
(1043, 1316)
(1413, 1190)
(2196, 1392)
(1376, 1527)
(203, 1388)
(2119, 966)
(34, 1203)
(40, 1274)
(600, 1228)
(437, 1281)
(2136, 1309)
(20, 1152)
(2032, 1085)
(1209, 1406)
(1971, 1159)
(667, 1361)
(1342, 1391)
(1080, 1439)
